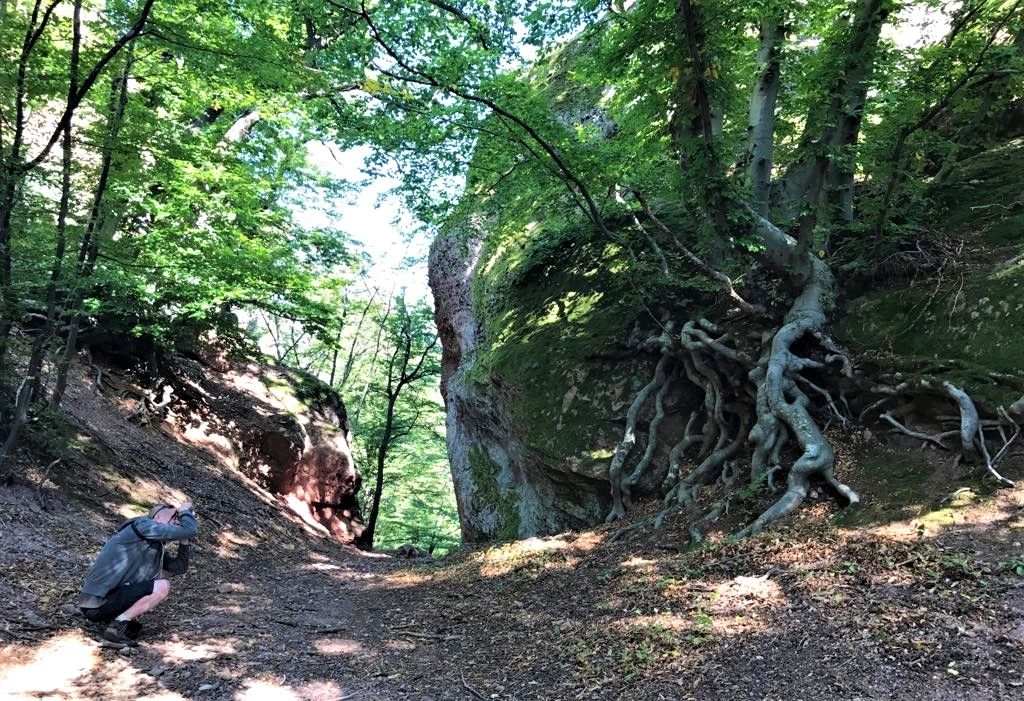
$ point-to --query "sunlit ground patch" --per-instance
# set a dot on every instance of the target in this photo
(49, 668)
(257, 690)
(338, 646)
(178, 651)
(502, 560)
(638, 562)
(200, 433)
(408, 580)
(271, 690)
(230, 543)
(320, 567)
(71, 666)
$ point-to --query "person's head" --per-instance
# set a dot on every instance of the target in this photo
(164, 513)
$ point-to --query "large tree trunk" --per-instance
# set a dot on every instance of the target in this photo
(15, 166)
(761, 121)
(365, 539)
(826, 162)
(12, 173)
(31, 385)
(694, 129)
(99, 215)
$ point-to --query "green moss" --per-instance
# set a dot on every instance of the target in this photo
(977, 322)
(899, 476)
(1006, 232)
(899, 491)
(488, 493)
(299, 392)
(549, 307)
(982, 187)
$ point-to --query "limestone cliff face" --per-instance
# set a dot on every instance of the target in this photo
(511, 479)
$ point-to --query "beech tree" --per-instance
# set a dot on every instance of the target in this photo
(174, 199)
(410, 349)
(729, 138)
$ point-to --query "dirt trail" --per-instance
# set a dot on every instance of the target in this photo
(915, 602)
(266, 611)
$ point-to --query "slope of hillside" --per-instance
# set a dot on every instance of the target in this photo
(919, 595)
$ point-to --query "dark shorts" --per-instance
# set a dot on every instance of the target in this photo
(118, 601)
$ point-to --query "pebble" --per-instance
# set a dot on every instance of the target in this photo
(126, 651)
(207, 687)
(157, 671)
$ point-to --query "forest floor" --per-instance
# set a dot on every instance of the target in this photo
(913, 596)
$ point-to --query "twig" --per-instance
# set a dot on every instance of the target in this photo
(722, 279)
(828, 399)
(1007, 207)
(39, 487)
(913, 434)
(428, 636)
(1006, 445)
(471, 689)
(990, 465)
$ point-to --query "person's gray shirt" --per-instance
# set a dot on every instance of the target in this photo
(128, 559)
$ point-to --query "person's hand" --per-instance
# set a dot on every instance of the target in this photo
(185, 505)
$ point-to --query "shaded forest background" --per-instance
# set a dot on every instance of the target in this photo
(154, 164)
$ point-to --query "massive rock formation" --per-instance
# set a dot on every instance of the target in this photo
(527, 455)
(542, 357)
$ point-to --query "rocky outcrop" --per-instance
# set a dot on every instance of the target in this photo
(284, 429)
(534, 314)
(505, 487)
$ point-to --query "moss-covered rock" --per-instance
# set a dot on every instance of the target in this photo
(507, 380)
(986, 194)
(977, 321)
(974, 317)
(551, 319)
(495, 502)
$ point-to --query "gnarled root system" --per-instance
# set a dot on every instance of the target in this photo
(759, 394)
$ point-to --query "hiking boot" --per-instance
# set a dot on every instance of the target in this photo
(117, 633)
(133, 630)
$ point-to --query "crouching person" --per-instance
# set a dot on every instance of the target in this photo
(127, 579)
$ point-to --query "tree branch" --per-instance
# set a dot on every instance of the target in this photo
(94, 74)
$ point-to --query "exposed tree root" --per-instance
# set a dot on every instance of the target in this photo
(751, 410)
(629, 440)
(148, 406)
(972, 436)
(935, 439)
(744, 403)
